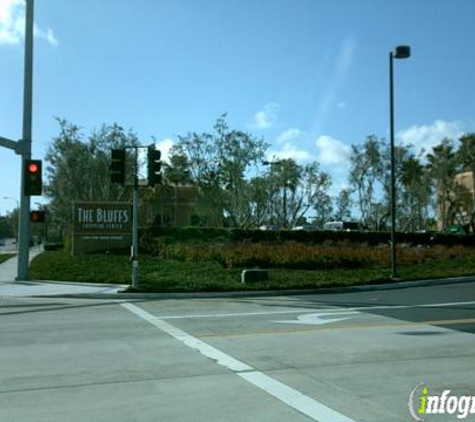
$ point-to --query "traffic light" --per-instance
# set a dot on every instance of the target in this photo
(33, 178)
(117, 166)
(37, 216)
(154, 166)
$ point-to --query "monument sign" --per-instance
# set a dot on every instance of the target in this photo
(101, 226)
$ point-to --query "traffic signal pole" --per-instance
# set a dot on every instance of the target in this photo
(135, 227)
(118, 175)
(24, 223)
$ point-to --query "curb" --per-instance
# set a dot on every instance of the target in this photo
(261, 293)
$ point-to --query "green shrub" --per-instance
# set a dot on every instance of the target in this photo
(298, 255)
(224, 235)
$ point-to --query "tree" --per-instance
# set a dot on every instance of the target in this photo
(259, 188)
(285, 196)
(343, 205)
(177, 172)
(322, 201)
(443, 166)
(295, 189)
(78, 168)
(366, 173)
(415, 194)
(218, 163)
(9, 224)
(323, 208)
(370, 179)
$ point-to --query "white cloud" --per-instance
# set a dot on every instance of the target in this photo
(165, 146)
(289, 150)
(12, 24)
(266, 117)
(339, 182)
(427, 136)
(288, 135)
(332, 152)
(47, 35)
(334, 156)
(12, 21)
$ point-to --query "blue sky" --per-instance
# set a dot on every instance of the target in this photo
(309, 76)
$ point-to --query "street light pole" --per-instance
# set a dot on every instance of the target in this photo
(401, 52)
(393, 175)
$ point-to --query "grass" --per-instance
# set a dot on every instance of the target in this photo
(6, 256)
(168, 275)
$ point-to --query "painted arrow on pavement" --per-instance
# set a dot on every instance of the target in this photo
(316, 318)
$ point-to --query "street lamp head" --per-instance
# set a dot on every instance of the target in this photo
(402, 52)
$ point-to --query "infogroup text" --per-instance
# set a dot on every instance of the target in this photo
(421, 403)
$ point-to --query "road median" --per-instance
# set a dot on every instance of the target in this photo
(173, 276)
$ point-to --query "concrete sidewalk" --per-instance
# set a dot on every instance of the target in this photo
(8, 269)
(10, 287)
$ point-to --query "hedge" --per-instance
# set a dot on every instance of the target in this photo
(205, 234)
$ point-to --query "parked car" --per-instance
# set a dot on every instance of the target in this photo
(305, 227)
(274, 227)
(341, 226)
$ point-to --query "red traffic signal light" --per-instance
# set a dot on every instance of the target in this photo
(33, 168)
(33, 177)
(37, 216)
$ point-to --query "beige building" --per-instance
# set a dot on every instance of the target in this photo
(458, 210)
(179, 206)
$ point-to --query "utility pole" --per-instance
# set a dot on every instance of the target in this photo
(24, 222)
(23, 148)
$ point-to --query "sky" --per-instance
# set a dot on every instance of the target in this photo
(310, 77)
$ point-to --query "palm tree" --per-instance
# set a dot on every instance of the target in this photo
(443, 166)
(416, 193)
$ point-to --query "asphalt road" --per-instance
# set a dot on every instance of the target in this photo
(330, 358)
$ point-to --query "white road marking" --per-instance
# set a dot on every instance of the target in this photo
(293, 398)
(316, 318)
(326, 311)
(192, 342)
(293, 311)
(287, 395)
(430, 305)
